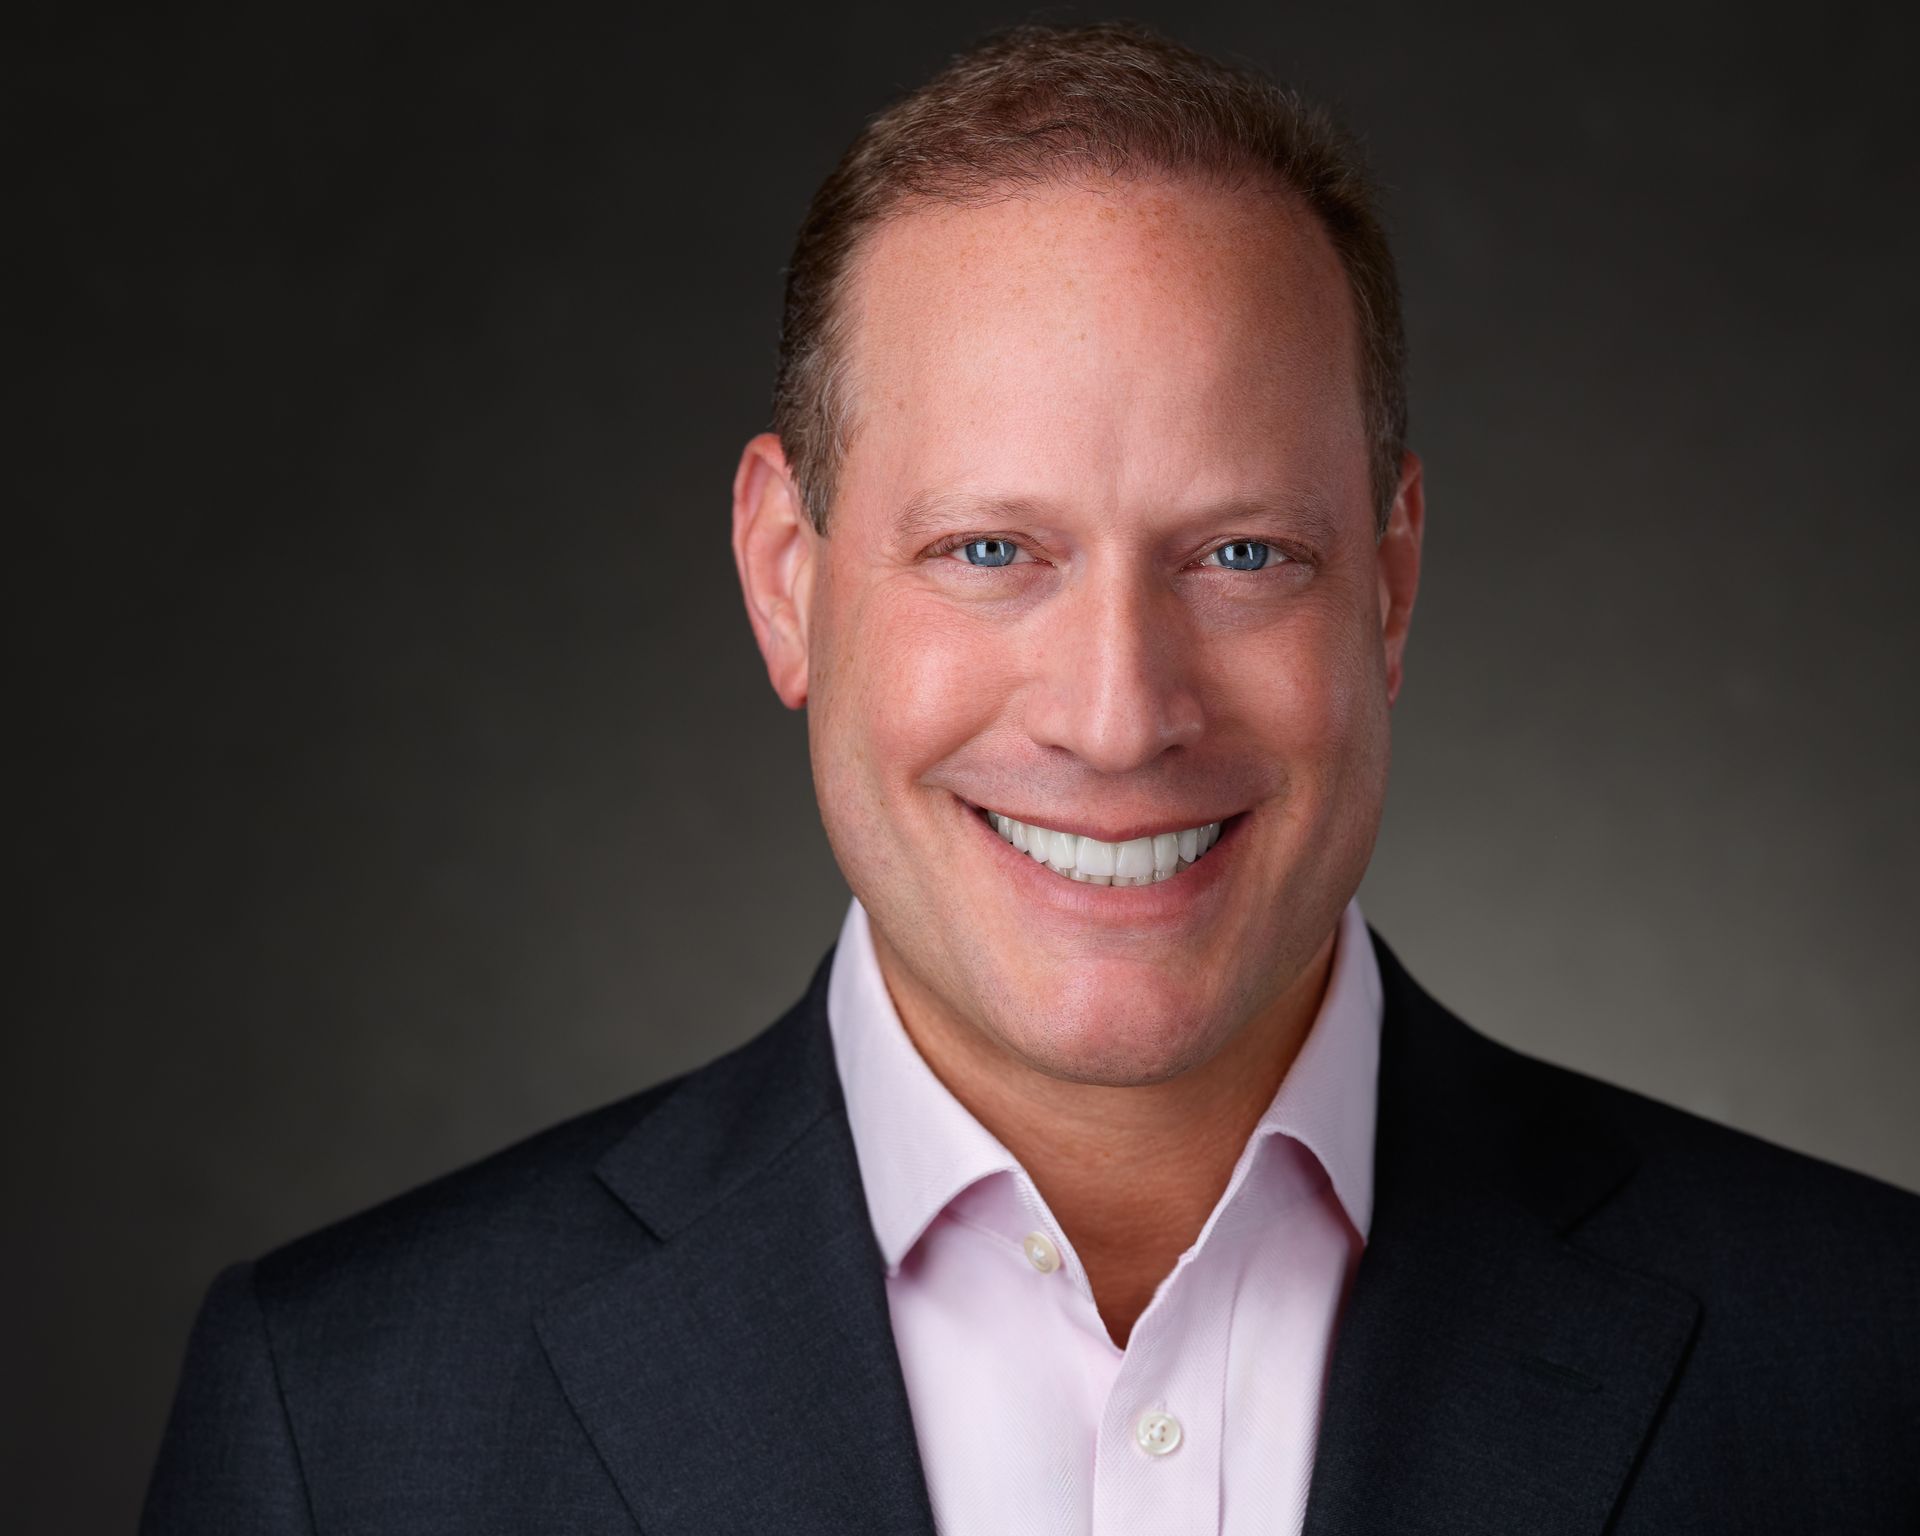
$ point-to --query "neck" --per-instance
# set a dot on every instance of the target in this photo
(1131, 1173)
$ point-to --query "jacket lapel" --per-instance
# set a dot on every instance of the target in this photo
(1488, 1374)
(740, 1375)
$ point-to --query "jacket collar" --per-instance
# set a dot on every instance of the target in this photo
(740, 1373)
(1489, 1374)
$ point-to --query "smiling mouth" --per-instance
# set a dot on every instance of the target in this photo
(1138, 861)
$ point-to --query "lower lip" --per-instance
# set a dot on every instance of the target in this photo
(1165, 901)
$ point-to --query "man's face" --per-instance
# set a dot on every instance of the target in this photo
(1102, 560)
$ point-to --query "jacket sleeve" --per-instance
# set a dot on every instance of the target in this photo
(227, 1462)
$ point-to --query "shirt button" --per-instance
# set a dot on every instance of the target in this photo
(1041, 1253)
(1157, 1433)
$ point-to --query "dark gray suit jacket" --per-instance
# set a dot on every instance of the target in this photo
(1579, 1311)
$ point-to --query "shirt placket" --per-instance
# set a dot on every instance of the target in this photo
(1157, 1457)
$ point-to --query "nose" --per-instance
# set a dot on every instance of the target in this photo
(1114, 673)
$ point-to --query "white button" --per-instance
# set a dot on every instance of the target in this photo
(1041, 1253)
(1157, 1433)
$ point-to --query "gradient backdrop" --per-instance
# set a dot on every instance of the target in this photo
(401, 776)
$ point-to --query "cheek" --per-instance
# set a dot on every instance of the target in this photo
(1317, 699)
(912, 682)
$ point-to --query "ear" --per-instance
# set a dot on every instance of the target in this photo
(773, 550)
(1399, 567)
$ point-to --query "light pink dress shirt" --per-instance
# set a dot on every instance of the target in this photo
(1028, 1418)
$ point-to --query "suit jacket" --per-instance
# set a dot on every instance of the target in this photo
(1579, 1311)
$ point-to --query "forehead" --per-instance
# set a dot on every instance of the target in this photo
(1130, 340)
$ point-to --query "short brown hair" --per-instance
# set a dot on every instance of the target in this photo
(1036, 106)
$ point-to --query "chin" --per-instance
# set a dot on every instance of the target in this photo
(1155, 1035)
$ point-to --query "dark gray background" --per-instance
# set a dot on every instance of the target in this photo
(399, 772)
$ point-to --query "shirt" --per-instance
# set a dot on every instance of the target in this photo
(1027, 1415)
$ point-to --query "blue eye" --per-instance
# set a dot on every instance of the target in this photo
(989, 552)
(1243, 555)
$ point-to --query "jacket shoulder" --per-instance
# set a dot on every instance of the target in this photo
(1796, 1400)
(1633, 1152)
(1728, 1183)
(406, 1337)
(516, 1219)
(535, 1218)
(1774, 1243)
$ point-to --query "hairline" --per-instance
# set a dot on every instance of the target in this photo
(836, 355)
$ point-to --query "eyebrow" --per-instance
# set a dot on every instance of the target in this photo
(929, 512)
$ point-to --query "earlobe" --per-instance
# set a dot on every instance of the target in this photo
(1398, 564)
(773, 552)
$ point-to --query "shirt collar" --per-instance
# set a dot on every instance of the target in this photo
(919, 1148)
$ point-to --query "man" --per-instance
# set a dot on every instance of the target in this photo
(1110, 1175)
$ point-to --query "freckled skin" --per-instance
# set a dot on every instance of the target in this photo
(1123, 361)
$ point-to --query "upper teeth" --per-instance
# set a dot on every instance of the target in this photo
(1138, 861)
